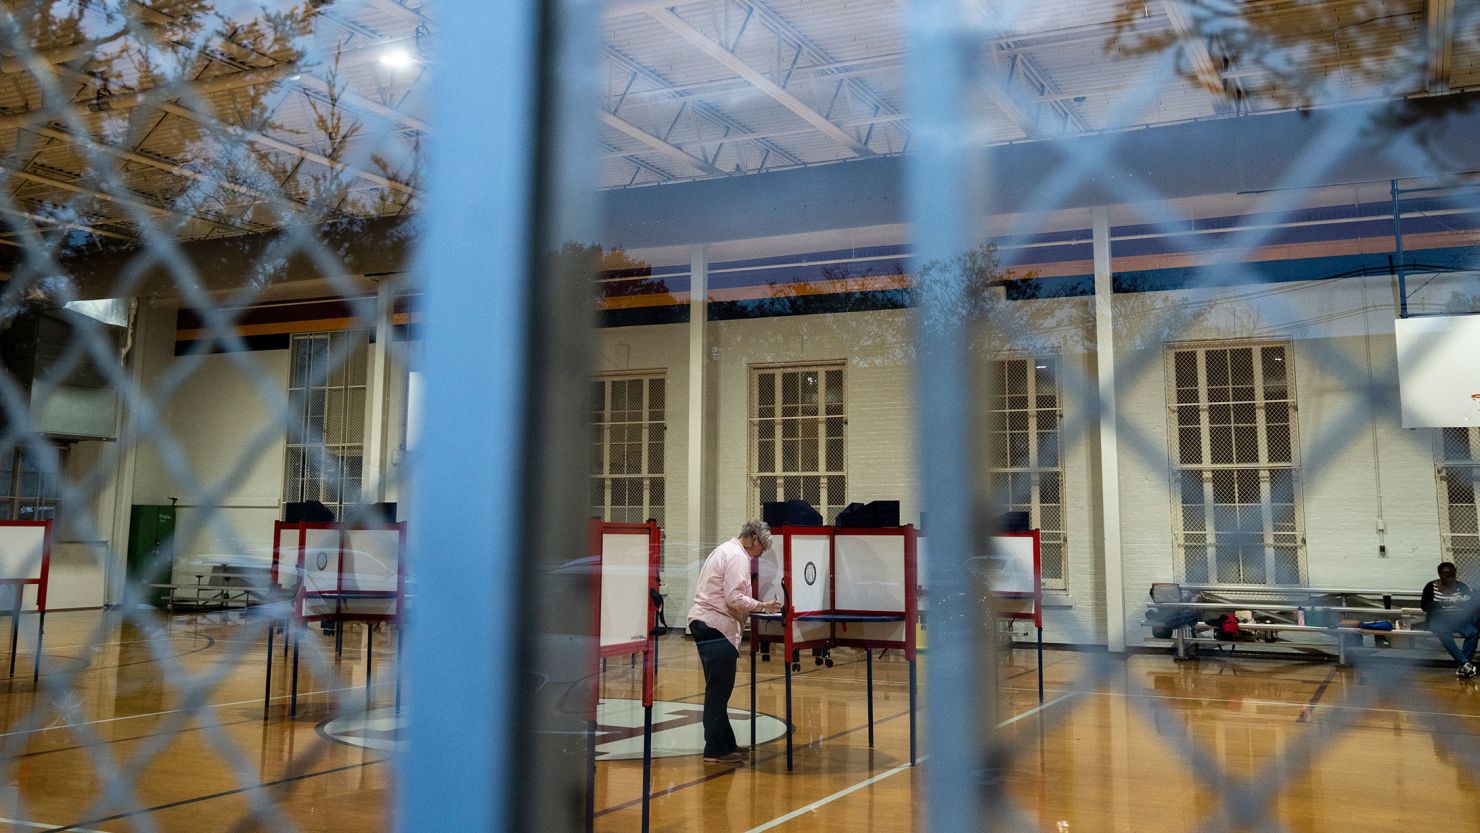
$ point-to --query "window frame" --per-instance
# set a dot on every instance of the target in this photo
(649, 428)
(294, 487)
(1058, 536)
(1215, 476)
(10, 493)
(826, 477)
(1448, 466)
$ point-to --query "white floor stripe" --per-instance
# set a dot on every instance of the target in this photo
(1250, 701)
(802, 811)
(36, 825)
(203, 707)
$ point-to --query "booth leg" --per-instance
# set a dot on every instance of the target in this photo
(590, 776)
(293, 695)
(338, 640)
(267, 690)
(40, 635)
(868, 664)
(15, 625)
(912, 712)
(656, 640)
(788, 717)
(401, 643)
(647, 765)
(1040, 666)
(369, 663)
(753, 684)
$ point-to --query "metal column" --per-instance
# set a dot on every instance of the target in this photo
(942, 187)
(1109, 440)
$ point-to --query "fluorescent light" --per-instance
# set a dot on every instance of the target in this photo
(397, 58)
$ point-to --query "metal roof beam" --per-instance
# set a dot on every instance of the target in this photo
(1440, 51)
(776, 23)
(1203, 66)
(672, 151)
(708, 111)
(723, 56)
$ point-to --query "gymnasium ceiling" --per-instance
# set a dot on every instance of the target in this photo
(199, 119)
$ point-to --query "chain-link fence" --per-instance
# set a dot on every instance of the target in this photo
(1129, 269)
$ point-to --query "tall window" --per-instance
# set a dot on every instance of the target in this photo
(326, 434)
(1027, 469)
(1236, 509)
(798, 437)
(627, 427)
(27, 493)
(1459, 483)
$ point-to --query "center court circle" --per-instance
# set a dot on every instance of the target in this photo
(678, 729)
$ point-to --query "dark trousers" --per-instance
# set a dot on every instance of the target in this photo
(1445, 625)
(718, 657)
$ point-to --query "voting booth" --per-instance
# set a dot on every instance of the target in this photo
(25, 562)
(839, 587)
(1011, 567)
(625, 559)
(333, 574)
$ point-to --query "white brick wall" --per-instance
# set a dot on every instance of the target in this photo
(1348, 480)
(1357, 464)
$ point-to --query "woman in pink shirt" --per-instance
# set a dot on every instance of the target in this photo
(722, 603)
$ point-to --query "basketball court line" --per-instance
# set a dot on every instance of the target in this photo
(846, 791)
(36, 825)
(1250, 701)
(752, 766)
(202, 707)
(73, 828)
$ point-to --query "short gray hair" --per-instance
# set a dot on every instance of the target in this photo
(758, 530)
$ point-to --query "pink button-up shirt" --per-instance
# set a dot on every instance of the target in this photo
(722, 597)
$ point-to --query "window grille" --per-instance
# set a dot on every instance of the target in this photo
(1459, 483)
(1027, 466)
(627, 432)
(26, 492)
(1235, 464)
(326, 434)
(798, 437)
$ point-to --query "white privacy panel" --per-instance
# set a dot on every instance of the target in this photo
(811, 569)
(769, 573)
(1008, 563)
(21, 550)
(372, 561)
(319, 570)
(624, 587)
(870, 571)
(287, 555)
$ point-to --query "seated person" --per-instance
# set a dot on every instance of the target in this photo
(1447, 601)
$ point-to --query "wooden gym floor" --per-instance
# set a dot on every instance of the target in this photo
(1107, 754)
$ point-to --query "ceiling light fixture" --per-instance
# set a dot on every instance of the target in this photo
(397, 58)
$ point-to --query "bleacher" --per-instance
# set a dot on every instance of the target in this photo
(1297, 620)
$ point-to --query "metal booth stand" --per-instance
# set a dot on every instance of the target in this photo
(342, 573)
(839, 587)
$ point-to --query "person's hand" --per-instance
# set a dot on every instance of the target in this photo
(772, 606)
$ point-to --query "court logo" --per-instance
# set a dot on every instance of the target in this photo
(678, 729)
